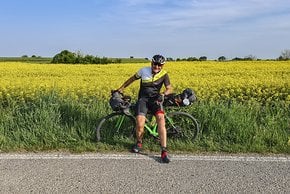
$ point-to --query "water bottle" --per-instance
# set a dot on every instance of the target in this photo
(185, 102)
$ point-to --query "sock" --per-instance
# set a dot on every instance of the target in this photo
(163, 149)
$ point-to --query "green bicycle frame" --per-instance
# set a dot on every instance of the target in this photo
(119, 122)
(152, 130)
(170, 121)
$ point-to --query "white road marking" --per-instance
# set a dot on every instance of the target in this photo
(96, 156)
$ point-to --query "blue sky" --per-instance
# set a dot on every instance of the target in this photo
(142, 28)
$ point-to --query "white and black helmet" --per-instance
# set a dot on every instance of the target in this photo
(158, 59)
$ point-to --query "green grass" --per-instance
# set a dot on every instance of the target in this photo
(134, 60)
(26, 59)
(244, 128)
(52, 123)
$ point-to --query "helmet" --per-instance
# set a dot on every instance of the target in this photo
(158, 59)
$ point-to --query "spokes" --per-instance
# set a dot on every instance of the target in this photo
(182, 126)
(115, 126)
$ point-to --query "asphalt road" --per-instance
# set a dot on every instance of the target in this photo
(131, 173)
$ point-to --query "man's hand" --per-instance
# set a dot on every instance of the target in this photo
(160, 98)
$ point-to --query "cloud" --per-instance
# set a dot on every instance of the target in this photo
(201, 14)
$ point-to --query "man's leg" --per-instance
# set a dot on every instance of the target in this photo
(161, 129)
(140, 122)
(163, 136)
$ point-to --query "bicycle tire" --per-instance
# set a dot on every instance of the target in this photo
(181, 125)
(114, 125)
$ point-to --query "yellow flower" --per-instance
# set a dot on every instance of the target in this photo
(240, 80)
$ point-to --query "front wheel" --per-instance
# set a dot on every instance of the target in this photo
(181, 125)
(115, 126)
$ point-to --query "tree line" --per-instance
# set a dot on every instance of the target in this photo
(69, 57)
(66, 56)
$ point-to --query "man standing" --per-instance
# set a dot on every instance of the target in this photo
(152, 80)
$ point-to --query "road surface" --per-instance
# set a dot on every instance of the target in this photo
(133, 173)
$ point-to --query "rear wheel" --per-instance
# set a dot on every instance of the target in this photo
(181, 125)
(115, 126)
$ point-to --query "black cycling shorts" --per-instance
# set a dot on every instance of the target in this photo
(148, 105)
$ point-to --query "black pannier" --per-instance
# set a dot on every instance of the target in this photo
(186, 98)
(118, 101)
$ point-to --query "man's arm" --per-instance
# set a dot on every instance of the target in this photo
(127, 83)
(168, 90)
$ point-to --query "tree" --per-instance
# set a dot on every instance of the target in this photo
(222, 58)
(88, 59)
(250, 58)
(105, 60)
(118, 60)
(64, 56)
(285, 55)
(192, 59)
(237, 59)
(203, 58)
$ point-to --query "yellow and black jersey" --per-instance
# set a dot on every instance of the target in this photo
(150, 84)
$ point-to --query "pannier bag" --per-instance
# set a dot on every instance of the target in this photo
(118, 101)
(186, 98)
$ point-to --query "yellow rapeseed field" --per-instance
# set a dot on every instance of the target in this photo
(261, 81)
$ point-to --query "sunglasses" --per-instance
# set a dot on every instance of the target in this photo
(158, 64)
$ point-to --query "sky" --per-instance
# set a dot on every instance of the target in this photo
(142, 28)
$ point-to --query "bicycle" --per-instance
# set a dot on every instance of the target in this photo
(121, 124)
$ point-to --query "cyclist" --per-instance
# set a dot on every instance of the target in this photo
(152, 80)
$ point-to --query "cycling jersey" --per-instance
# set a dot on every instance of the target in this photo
(150, 84)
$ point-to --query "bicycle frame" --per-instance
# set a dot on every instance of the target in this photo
(150, 122)
(151, 128)
(120, 122)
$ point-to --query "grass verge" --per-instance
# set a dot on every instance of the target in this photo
(52, 123)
